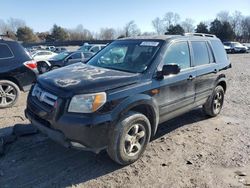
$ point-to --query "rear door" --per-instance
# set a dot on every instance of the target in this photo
(206, 69)
(176, 91)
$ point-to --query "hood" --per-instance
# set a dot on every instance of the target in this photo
(81, 78)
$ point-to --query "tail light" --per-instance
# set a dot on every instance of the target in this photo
(31, 65)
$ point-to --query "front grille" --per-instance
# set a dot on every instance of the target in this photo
(44, 96)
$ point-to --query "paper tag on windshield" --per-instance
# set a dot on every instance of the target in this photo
(149, 43)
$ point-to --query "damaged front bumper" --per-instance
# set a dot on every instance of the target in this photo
(70, 130)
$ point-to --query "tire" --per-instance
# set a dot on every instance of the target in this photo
(215, 102)
(9, 93)
(129, 138)
(42, 67)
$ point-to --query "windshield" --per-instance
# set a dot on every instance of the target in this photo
(85, 48)
(237, 44)
(128, 56)
(60, 56)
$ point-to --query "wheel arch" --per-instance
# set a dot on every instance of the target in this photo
(141, 103)
(14, 80)
(222, 82)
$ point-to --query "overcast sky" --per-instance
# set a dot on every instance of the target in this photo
(95, 14)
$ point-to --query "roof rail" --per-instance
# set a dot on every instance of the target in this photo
(200, 35)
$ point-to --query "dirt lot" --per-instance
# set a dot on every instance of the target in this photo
(188, 151)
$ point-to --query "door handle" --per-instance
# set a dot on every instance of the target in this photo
(191, 77)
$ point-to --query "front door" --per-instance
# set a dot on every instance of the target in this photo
(177, 92)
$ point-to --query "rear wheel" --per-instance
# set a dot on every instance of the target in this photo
(129, 138)
(215, 102)
(9, 93)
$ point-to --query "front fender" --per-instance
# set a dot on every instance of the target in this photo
(134, 101)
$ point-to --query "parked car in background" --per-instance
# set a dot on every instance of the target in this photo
(94, 48)
(63, 59)
(117, 100)
(42, 55)
(17, 71)
(248, 46)
(235, 47)
(227, 48)
(51, 48)
(59, 50)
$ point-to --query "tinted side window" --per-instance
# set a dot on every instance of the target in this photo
(201, 56)
(95, 49)
(219, 51)
(178, 53)
(5, 51)
(211, 55)
(76, 56)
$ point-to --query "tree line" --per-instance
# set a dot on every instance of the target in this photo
(226, 26)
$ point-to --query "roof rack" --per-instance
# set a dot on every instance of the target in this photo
(200, 35)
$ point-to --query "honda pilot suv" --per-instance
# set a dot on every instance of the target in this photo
(117, 100)
(17, 71)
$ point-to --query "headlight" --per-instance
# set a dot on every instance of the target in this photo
(87, 103)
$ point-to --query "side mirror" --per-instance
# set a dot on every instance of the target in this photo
(168, 69)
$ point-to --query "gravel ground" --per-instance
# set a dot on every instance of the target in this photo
(188, 151)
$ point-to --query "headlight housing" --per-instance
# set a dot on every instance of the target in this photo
(87, 103)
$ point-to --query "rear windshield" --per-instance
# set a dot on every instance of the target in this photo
(128, 56)
(219, 51)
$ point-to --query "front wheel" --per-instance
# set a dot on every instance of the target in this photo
(129, 138)
(215, 102)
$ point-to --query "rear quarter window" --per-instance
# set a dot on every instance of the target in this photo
(200, 51)
(219, 51)
(5, 52)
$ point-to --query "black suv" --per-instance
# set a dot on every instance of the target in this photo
(17, 71)
(117, 100)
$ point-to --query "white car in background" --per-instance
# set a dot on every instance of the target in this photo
(93, 48)
(42, 55)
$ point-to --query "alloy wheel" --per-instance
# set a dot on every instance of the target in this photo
(218, 101)
(134, 140)
(8, 94)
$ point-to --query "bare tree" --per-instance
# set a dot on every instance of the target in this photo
(246, 29)
(224, 16)
(3, 27)
(107, 34)
(188, 25)
(131, 29)
(171, 18)
(79, 33)
(158, 25)
(15, 23)
(236, 23)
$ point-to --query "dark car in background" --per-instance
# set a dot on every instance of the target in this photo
(235, 47)
(17, 71)
(63, 59)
